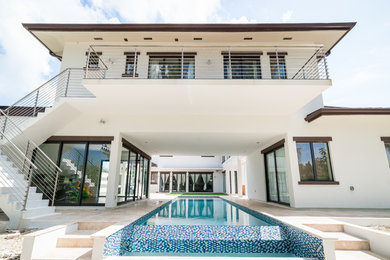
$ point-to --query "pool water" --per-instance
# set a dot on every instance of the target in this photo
(210, 226)
(203, 211)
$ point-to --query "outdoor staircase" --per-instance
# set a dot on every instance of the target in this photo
(347, 246)
(28, 177)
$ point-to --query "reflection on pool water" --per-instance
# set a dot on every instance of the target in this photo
(203, 211)
(210, 226)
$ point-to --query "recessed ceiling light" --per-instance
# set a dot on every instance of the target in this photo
(198, 39)
(98, 38)
(287, 38)
(148, 38)
(248, 38)
(176, 39)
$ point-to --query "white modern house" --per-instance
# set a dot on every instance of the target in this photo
(127, 92)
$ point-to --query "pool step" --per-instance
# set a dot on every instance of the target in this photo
(358, 255)
(348, 242)
(72, 241)
(327, 227)
(67, 254)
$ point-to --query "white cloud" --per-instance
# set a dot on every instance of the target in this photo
(243, 19)
(25, 63)
(287, 16)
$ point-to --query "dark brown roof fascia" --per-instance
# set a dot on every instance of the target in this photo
(273, 147)
(216, 27)
(346, 111)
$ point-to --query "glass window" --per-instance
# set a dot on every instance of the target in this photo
(146, 177)
(179, 182)
(154, 177)
(96, 174)
(93, 61)
(169, 67)
(133, 170)
(387, 147)
(271, 176)
(164, 181)
(123, 173)
(40, 176)
(314, 161)
(129, 67)
(278, 72)
(200, 182)
(69, 187)
(243, 67)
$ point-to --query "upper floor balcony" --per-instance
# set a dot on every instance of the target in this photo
(244, 62)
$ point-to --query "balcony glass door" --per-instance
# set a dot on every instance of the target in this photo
(277, 188)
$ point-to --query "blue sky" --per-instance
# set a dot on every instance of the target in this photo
(358, 65)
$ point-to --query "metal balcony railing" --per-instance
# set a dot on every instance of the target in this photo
(206, 62)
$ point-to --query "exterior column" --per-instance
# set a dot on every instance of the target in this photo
(114, 171)
(187, 181)
(170, 182)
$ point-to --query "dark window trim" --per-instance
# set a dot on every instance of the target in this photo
(274, 146)
(385, 139)
(316, 140)
(282, 53)
(318, 183)
(312, 139)
(175, 54)
(242, 53)
(65, 138)
(134, 148)
(129, 53)
(99, 53)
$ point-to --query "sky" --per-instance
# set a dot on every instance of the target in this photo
(358, 65)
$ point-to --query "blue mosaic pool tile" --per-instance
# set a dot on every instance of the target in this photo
(276, 238)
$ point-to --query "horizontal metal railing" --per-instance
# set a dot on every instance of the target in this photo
(31, 162)
(206, 62)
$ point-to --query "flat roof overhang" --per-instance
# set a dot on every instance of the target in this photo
(344, 111)
(53, 36)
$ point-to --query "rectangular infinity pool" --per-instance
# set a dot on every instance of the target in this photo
(210, 226)
(203, 211)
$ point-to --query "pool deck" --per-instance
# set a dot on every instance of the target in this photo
(129, 212)
(133, 210)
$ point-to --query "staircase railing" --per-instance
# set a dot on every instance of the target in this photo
(67, 83)
(36, 168)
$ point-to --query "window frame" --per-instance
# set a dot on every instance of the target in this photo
(173, 55)
(130, 56)
(386, 140)
(311, 141)
(96, 57)
(279, 55)
(239, 57)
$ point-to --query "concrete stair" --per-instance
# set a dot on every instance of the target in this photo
(12, 189)
(347, 246)
(75, 243)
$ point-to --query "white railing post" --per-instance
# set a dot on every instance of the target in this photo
(277, 62)
(35, 103)
(87, 65)
(135, 63)
(67, 83)
(182, 63)
(230, 65)
(325, 64)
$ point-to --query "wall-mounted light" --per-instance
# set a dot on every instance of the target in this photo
(198, 39)
(102, 121)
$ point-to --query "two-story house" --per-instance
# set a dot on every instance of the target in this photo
(126, 92)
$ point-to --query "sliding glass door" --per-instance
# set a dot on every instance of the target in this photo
(164, 181)
(277, 188)
(201, 182)
(179, 182)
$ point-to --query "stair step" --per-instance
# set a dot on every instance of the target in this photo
(358, 255)
(327, 227)
(67, 254)
(41, 216)
(349, 242)
(38, 211)
(73, 240)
